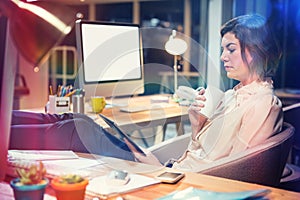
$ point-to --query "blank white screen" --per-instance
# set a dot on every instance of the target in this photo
(110, 53)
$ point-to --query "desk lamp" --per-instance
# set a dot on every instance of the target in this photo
(33, 29)
(175, 47)
(36, 27)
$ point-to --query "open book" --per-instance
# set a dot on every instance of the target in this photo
(123, 135)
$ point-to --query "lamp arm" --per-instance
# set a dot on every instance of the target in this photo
(7, 7)
(175, 74)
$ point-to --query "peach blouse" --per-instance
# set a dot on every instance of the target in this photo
(247, 115)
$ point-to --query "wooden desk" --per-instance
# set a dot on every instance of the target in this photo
(211, 183)
(130, 122)
(196, 180)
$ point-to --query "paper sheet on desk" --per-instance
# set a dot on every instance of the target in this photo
(80, 163)
(132, 167)
(56, 162)
(99, 186)
(41, 155)
(77, 166)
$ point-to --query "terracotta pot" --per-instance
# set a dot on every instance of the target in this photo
(64, 191)
(32, 192)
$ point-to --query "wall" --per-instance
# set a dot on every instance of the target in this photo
(37, 83)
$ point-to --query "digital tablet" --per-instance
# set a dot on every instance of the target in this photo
(123, 135)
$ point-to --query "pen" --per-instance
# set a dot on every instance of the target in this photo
(51, 90)
(58, 91)
(63, 91)
(71, 93)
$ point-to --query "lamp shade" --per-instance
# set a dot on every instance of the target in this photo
(175, 46)
(37, 27)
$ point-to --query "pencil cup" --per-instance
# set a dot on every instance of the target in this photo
(58, 104)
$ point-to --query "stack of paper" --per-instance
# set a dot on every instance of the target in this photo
(40, 155)
(56, 162)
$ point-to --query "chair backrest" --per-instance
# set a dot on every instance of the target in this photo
(291, 115)
(262, 164)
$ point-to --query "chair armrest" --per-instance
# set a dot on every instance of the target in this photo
(172, 148)
(293, 175)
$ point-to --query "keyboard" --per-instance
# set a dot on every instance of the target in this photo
(140, 108)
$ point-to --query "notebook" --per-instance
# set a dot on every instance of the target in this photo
(123, 135)
(100, 187)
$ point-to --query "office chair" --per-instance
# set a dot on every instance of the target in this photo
(262, 164)
(291, 115)
(291, 175)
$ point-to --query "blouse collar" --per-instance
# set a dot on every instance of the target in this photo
(253, 87)
(242, 93)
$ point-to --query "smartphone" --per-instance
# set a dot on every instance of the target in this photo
(170, 177)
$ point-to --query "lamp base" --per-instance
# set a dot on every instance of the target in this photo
(175, 98)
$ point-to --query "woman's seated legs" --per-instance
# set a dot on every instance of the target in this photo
(23, 117)
(69, 132)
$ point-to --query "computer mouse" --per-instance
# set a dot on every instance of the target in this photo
(117, 178)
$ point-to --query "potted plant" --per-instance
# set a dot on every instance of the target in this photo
(69, 187)
(31, 183)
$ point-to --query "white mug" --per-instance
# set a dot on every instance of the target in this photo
(213, 96)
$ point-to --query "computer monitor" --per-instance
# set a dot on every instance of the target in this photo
(110, 59)
(8, 59)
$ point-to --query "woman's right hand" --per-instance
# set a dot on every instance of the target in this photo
(196, 119)
(148, 159)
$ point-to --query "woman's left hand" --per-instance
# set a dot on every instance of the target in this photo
(148, 159)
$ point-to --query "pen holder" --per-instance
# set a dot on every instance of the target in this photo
(78, 103)
(58, 104)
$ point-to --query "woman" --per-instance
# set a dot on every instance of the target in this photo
(247, 115)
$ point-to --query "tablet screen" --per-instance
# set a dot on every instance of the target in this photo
(121, 133)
